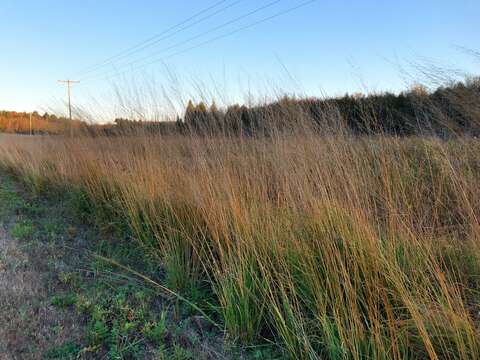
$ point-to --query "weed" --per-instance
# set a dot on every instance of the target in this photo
(65, 300)
(68, 350)
(23, 230)
(156, 331)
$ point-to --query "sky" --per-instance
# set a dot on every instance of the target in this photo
(231, 49)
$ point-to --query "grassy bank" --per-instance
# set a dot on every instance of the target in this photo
(332, 247)
(65, 297)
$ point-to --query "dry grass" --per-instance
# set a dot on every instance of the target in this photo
(334, 247)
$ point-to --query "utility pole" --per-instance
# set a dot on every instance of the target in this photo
(30, 124)
(69, 90)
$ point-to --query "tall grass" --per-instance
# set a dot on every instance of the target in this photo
(332, 246)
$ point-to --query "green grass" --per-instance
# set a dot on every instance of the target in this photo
(23, 230)
(67, 351)
(9, 199)
(64, 300)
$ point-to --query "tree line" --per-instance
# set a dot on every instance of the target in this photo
(453, 109)
(24, 123)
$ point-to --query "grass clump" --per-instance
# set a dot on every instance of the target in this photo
(66, 351)
(63, 301)
(23, 230)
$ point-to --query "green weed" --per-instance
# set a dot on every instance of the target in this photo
(23, 230)
(66, 351)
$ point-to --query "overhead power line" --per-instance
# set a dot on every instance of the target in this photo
(209, 41)
(176, 45)
(160, 36)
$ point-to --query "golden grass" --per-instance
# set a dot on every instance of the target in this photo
(334, 247)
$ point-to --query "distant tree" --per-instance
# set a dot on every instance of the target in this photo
(419, 90)
(189, 117)
(201, 108)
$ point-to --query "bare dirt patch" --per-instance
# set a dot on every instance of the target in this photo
(30, 324)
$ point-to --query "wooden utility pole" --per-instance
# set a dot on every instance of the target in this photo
(30, 124)
(69, 90)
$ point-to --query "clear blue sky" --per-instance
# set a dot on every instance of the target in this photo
(330, 46)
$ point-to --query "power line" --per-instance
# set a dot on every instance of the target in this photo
(159, 37)
(232, 21)
(233, 32)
